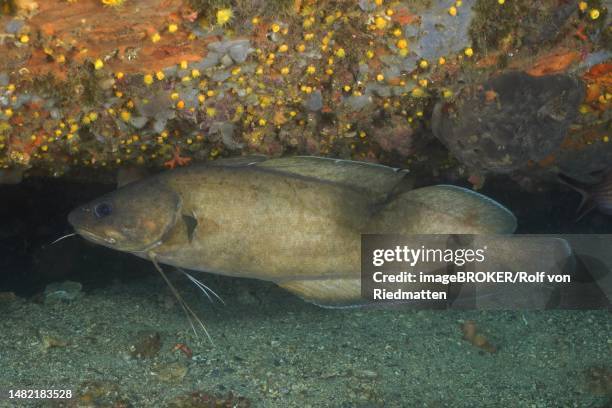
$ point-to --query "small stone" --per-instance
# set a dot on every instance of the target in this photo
(365, 374)
(50, 341)
(173, 372)
(314, 102)
(63, 291)
(138, 121)
(147, 345)
(7, 297)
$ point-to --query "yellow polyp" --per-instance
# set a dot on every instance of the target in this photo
(418, 92)
(113, 3)
(174, 96)
(159, 75)
(180, 104)
(275, 28)
(469, 52)
(183, 64)
(380, 23)
(98, 64)
(24, 39)
(172, 28)
(155, 37)
(224, 16)
(148, 79)
(340, 53)
(402, 44)
(594, 14)
(125, 116)
(452, 11)
(582, 6)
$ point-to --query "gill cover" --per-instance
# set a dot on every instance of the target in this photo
(134, 218)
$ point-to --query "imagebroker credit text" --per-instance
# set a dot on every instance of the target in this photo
(471, 277)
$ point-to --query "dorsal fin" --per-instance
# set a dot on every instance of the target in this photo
(239, 161)
(373, 178)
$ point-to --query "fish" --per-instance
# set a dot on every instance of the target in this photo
(595, 196)
(295, 221)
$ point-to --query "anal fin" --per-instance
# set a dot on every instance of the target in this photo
(336, 292)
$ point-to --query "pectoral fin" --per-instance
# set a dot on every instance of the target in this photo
(191, 223)
(327, 292)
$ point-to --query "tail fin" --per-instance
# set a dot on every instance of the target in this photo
(586, 204)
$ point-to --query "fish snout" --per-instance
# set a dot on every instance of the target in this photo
(78, 216)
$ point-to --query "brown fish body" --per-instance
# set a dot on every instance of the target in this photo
(295, 221)
(260, 224)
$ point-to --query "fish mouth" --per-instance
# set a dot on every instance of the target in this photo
(97, 239)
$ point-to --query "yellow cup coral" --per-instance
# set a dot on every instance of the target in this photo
(224, 16)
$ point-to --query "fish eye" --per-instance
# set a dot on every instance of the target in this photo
(103, 210)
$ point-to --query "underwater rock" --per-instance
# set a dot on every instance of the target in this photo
(394, 136)
(237, 50)
(509, 121)
(224, 131)
(63, 291)
(439, 33)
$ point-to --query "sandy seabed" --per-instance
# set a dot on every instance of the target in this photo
(122, 346)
